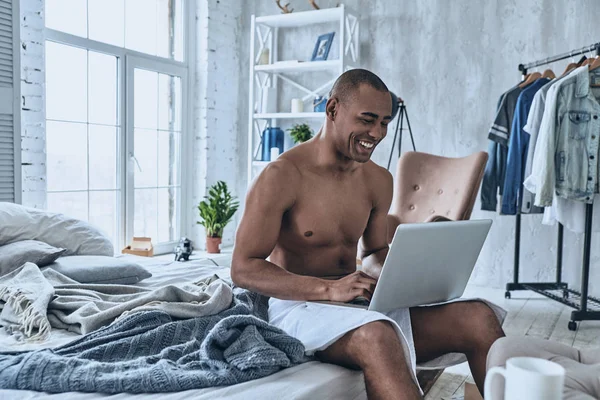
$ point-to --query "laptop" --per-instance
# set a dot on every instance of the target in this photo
(427, 263)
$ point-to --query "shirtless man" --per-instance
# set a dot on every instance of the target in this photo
(306, 213)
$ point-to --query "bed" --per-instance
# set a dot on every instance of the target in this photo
(305, 381)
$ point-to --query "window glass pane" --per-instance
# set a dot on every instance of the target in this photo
(107, 21)
(103, 212)
(170, 29)
(68, 16)
(167, 214)
(169, 102)
(145, 100)
(179, 24)
(73, 204)
(168, 158)
(146, 213)
(103, 88)
(103, 157)
(140, 25)
(66, 148)
(146, 154)
(66, 82)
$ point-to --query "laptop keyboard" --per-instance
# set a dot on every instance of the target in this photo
(360, 301)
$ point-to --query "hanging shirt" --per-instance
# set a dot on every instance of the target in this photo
(500, 129)
(571, 214)
(517, 149)
(566, 155)
(495, 168)
(534, 119)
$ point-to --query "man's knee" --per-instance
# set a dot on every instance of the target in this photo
(376, 333)
(361, 347)
(480, 322)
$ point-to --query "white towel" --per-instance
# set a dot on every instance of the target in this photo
(319, 325)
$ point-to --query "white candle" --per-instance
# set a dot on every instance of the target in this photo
(274, 153)
(297, 106)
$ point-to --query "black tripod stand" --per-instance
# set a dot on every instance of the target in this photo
(400, 127)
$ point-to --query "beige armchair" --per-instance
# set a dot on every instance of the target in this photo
(434, 188)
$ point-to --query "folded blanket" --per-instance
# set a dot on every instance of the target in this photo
(24, 298)
(149, 352)
(33, 301)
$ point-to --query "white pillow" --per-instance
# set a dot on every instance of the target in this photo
(96, 269)
(77, 237)
(14, 255)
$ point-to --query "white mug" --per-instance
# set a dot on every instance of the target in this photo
(528, 378)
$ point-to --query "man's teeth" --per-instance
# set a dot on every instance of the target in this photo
(366, 144)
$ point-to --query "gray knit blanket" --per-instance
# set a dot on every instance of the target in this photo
(148, 352)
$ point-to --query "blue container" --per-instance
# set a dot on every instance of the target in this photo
(271, 137)
(319, 104)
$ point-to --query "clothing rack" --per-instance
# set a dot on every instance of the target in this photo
(588, 307)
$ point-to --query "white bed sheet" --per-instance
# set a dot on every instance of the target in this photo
(312, 380)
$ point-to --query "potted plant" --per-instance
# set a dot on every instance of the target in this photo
(216, 212)
(301, 133)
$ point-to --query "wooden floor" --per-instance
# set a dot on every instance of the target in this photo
(529, 314)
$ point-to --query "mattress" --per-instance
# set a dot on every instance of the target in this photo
(306, 381)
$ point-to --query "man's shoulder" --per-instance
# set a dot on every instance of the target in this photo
(376, 173)
(379, 182)
(282, 170)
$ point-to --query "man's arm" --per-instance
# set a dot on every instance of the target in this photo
(374, 240)
(273, 193)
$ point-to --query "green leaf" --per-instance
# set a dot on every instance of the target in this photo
(218, 209)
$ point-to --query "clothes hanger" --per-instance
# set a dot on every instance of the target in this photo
(548, 74)
(572, 65)
(530, 79)
(594, 64)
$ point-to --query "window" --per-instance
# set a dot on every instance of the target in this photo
(157, 143)
(115, 115)
(153, 27)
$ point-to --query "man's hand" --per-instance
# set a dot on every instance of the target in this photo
(350, 287)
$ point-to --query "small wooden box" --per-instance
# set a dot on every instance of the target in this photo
(140, 246)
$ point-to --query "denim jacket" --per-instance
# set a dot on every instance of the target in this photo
(517, 150)
(566, 156)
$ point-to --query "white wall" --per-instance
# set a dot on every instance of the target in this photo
(450, 61)
(216, 128)
(33, 117)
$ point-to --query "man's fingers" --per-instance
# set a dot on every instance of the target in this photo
(363, 276)
(365, 286)
(362, 292)
(367, 294)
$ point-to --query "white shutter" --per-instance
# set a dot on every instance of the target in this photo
(10, 130)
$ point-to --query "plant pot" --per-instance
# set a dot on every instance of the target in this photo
(213, 245)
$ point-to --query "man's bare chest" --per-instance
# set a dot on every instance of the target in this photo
(331, 215)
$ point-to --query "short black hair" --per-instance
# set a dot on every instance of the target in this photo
(347, 83)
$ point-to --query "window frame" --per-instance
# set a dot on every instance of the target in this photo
(185, 69)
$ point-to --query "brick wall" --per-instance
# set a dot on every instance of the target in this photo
(33, 119)
(216, 105)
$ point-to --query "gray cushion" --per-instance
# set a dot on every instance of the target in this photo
(78, 237)
(100, 269)
(14, 255)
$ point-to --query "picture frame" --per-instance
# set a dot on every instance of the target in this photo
(321, 50)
